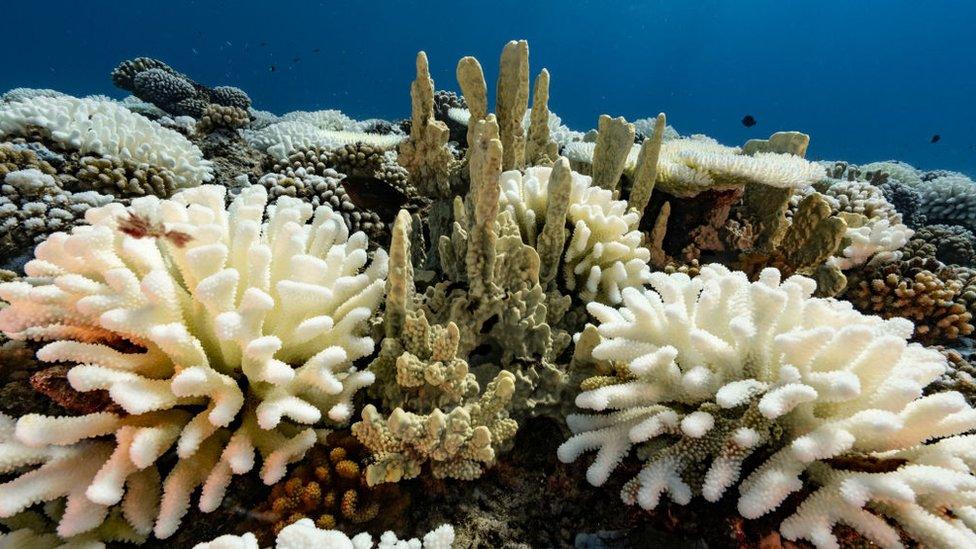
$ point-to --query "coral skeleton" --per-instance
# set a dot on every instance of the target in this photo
(237, 336)
(714, 369)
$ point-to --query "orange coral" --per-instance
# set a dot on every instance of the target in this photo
(330, 488)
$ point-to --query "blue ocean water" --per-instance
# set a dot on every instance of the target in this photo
(869, 80)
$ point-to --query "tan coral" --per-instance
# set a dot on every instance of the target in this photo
(424, 154)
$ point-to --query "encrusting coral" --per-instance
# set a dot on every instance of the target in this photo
(216, 331)
(715, 369)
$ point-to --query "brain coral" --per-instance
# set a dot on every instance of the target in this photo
(108, 129)
(714, 369)
(217, 331)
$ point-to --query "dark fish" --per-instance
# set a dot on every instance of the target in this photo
(935, 138)
(296, 60)
(316, 50)
(748, 121)
(273, 68)
(263, 44)
(371, 193)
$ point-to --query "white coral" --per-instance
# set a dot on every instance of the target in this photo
(773, 367)
(283, 138)
(874, 243)
(109, 129)
(241, 338)
(689, 165)
(304, 535)
(604, 252)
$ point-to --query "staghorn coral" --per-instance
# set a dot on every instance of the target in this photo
(716, 369)
(603, 253)
(906, 200)
(329, 487)
(216, 332)
(921, 290)
(304, 535)
(109, 130)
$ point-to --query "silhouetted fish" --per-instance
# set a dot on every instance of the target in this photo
(263, 44)
(371, 193)
(935, 138)
(748, 121)
(316, 50)
(296, 60)
(273, 68)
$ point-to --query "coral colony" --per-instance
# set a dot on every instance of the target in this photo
(299, 323)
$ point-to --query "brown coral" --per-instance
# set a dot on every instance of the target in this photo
(330, 488)
(923, 291)
(13, 159)
(216, 117)
(124, 178)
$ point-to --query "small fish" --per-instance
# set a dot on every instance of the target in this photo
(195, 52)
(371, 193)
(935, 138)
(228, 43)
(263, 44)
(316, 50)
(296, 59)
(748, 121)
(139, 226)
(273, 68)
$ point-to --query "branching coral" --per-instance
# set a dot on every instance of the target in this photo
(125, 178)
(919, 289)
(216, 117)
(283, 138)
(424, 154)
(218, 333)
(419, 368)
(323, 189)
(716, 369)
(603, 253)
(304, 535)
(110, 130)
(950, 200)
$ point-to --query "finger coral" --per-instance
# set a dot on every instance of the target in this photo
(716, 369)
(218, 331)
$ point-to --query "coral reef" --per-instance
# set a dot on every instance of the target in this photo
(715, 369)
(307, 330)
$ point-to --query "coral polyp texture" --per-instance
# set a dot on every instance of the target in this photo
(715, 369)
(304, 535)
(219, 331)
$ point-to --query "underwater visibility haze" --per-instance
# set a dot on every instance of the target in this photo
(418, 275)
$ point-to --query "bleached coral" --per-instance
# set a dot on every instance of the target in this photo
(109, 129)
(689, 165)
(876, 242)
(218, 332)
(304, 535)
(714, 369)
(283, 138)
(329, 119)
(603, 254)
